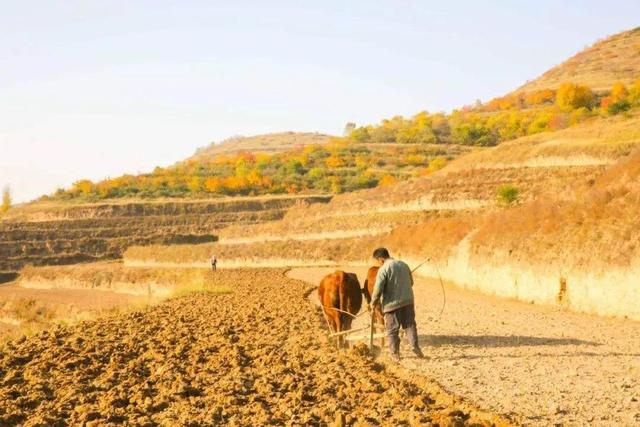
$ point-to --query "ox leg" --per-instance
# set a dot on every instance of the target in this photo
(346, 325)
(339, 328)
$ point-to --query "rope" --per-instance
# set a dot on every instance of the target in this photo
(444, 293)
(444, 296)
(337, 309)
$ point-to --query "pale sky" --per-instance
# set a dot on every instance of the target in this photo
(92, 89)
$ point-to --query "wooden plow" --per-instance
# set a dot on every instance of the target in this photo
(349, 334)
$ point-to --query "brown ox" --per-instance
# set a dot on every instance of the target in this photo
(367, 290)
(340, 290)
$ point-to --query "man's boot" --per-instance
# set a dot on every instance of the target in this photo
(395, 357)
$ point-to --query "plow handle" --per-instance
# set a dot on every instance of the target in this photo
(371, 333)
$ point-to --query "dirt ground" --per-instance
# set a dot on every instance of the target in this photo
(539, 365)
(256, 356)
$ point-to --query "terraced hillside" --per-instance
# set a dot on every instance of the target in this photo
(44, 234)
(534, 247)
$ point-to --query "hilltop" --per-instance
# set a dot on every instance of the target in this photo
(268, 143)
(611, 60)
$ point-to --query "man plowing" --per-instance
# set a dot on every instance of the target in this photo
(394, 289)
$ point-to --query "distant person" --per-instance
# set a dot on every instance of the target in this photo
(214, 262)
(394, 287)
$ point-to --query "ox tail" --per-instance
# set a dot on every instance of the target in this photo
(365, 291)
(342, 305)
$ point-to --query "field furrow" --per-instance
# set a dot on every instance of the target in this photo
(254, 356)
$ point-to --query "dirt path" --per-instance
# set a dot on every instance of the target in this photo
(253, 357)
(537, 364)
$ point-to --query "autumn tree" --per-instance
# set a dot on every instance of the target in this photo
(195, 184)
(360, 134)
(617, 101)
(417, 130)
(6, 199)
(213, 185)
(634, 93)
(571, 96)
(83, 187)
(334, 162)
(619, 92)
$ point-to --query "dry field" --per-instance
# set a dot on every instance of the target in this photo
(25, 311)
(114, 277)
(243, 358)
(46, 296)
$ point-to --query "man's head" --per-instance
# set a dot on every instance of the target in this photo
(380, 255)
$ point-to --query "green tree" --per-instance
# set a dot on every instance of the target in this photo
(360, 134)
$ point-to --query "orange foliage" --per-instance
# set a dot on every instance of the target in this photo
(540, 97)
(213, 185)
(387, 180)
(334, 162)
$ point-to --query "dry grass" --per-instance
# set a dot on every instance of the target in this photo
(269, 143)
(608, 61)
(596, 141)
(114, 276)
(598, 228)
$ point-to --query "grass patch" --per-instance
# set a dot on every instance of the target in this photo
(507, 194)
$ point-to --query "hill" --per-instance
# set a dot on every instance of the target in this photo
(601, 81)
(269, 143)
(613, 59)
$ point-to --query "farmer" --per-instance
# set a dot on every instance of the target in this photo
(214, 262)
(393, 287)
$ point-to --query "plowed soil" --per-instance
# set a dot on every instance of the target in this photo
(257, 356)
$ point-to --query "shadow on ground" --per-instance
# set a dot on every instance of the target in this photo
(498, 341)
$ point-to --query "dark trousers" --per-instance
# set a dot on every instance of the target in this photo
(405, 317)
(213, 266)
